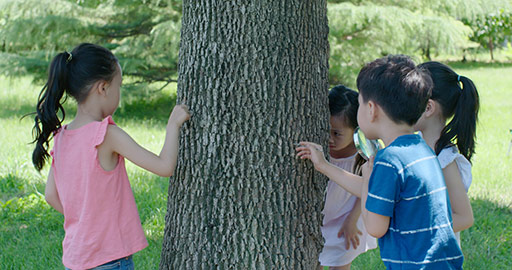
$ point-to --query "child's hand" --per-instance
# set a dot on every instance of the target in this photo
(313, 152)
(350, 231)
(179, 115)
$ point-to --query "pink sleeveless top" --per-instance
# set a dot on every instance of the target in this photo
(101, 221)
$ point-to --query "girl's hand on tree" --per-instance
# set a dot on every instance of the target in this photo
(179, 115)
(350, 231)
(313, 152)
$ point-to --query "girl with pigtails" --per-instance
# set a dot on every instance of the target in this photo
(454, 97)
(344, 233)
(87, 181)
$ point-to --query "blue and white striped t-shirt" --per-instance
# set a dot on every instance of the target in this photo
(407, 185)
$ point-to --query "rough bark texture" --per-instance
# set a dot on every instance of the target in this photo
(254, 74)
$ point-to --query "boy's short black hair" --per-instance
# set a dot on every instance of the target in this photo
(397, 85)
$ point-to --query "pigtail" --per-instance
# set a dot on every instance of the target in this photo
(49, 105)
(461, 130)
(359, 161)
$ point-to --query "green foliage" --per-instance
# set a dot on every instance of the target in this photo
(365, 30)
(143, 34)
(359, 34)
(491, 29)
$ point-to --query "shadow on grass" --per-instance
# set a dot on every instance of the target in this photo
(6, 111)
(157, 108)
(12, 186)
(488, 243)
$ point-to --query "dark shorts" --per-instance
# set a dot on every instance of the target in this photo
(125, 263)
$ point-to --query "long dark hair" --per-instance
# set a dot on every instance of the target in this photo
(72, 74)
(459, 99)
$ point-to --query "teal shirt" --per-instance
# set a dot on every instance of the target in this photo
(407, 185)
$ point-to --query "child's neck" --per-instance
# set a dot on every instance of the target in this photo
(348, 151)
(432, 133)
(391, 131)
(85, 115)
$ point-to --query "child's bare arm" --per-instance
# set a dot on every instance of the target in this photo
(462, 213)
(51, 195)
(376, 225)
(118, 141)
(349, 181)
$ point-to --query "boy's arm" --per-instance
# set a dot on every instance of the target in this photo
(376, 225)
(349, 181)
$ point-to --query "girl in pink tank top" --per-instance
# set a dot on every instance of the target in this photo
(87, 181)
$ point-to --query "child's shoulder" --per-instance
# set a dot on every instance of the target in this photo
(405, 150)
(407, 144)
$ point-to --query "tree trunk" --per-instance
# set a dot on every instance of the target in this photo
(254, 74)
(491, 47)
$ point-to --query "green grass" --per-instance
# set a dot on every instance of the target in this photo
(31, 232)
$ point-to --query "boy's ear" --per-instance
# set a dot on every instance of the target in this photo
(373, 109)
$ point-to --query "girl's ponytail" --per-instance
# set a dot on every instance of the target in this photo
(463, 124)
(459, 101)
(74, 74)
(49, 104)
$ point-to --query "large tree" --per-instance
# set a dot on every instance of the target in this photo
(254, 74)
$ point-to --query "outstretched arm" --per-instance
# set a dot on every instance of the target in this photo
(118, 141)
(349, 181)
(462, 213)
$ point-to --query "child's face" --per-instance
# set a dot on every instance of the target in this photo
(420, 124)
(341, 134)
(363, 118)
(362, 115)
(114, 91)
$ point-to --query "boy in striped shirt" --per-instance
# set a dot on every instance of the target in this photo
(404, 200)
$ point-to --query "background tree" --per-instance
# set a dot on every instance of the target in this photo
(143, 34)
(254, 74)
(491, 30)
(362, 30)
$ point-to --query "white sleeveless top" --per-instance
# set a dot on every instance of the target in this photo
(338, 201)
(448, 155)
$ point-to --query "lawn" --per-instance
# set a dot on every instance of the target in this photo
(31, 232)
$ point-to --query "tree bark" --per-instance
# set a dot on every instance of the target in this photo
(255, 76)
